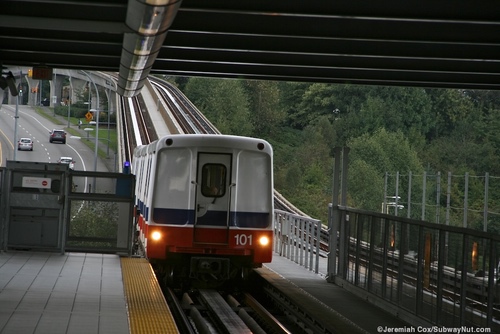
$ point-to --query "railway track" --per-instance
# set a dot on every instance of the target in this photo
(128, 142)
(211, 311)
(185, 113)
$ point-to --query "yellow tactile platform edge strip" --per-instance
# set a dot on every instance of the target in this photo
(147, 309)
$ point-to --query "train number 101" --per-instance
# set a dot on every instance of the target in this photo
(243, 239)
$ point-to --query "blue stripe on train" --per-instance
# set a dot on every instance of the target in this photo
(211, 218)
(143, 209)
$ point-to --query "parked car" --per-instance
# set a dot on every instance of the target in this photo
(57, 135)
(45, 102)
(67, 160)
(25, 144)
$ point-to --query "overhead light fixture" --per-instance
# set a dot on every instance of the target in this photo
(148, 21)
(9, 81)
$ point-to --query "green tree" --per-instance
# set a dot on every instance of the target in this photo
(315, 100)
(266, 113)
(290, 99)
(365, 185)
(392, 108)
(303, 172)
(449, 107)
(224, 102)
(371, 156)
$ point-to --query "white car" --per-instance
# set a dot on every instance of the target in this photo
(67, 160)
(25, 144)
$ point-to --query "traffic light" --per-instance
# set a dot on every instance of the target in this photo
(30, 73)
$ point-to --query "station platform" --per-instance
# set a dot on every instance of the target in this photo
(80, 293)
(42, 292)
(345, 312)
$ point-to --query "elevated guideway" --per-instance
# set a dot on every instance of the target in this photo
(154, 105)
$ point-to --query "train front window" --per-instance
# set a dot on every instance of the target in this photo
(213, 180)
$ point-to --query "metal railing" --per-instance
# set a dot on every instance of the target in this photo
(298, 239)
(425, 273)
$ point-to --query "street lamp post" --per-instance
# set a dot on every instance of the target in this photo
(69, 113)
(16, 117)
(90, 96)
(69, 100)
(109, 108)
(96, 112)
(107, 152)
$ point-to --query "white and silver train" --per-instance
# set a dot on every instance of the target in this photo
(205, 205)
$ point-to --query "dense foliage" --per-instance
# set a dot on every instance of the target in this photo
(388, 130)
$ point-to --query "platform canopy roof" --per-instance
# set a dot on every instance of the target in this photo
(440, 43)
